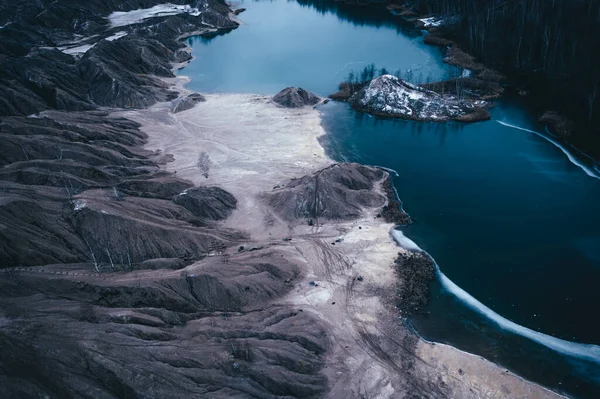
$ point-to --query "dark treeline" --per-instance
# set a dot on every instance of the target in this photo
(351, 11)
(549, 46)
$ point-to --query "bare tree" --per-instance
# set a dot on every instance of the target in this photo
(24, 152)
(116, 194)
(71, 192)
(128, 258)
(204, 163)
(92, 256)
(112, 264)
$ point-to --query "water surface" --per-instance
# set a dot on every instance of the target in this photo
(287, 44)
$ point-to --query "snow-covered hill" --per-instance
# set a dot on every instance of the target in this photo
(387, 95)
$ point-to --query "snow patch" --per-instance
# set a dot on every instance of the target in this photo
(116, 36)
(79, 205)
(392, 96)
(79, 50)
(124, 18)
(432, 21)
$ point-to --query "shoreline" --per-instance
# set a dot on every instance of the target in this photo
(438, 355)
(455, 56)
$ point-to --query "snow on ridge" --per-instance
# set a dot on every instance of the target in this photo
(391, 95)
(116, 36)
(84, 48)
(124, 18)
(77, 50)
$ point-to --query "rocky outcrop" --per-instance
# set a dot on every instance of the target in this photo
(415, 272)
(392, 212)
(558, 124)
(392, 97)
(212, 203)
(187, 102)
(295, 97)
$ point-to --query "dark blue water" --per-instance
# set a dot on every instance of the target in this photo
(509, 220)
(506, 215)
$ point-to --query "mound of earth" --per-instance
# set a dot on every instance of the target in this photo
(389, 96)
(76, 189)
(188, 102)
(341, 191)
(211, 203)
(295, 97)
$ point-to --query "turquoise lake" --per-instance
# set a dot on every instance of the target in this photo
(509, 218)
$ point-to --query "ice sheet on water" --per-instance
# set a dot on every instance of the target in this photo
(589, 171)
(578, 350)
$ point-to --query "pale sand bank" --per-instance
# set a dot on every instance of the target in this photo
(254, 146)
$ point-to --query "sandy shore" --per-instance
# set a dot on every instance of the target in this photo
(253, 146)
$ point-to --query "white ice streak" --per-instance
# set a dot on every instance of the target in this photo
(581, 351)
(116, 36)
(389, 170)
(404, 241)
(124, 18)
(571, 157)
